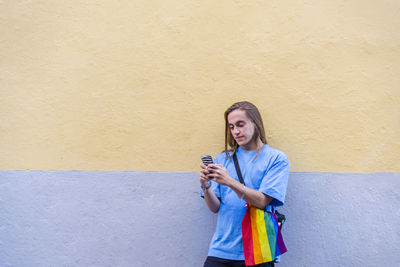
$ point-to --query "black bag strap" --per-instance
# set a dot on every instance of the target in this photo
(239, 173)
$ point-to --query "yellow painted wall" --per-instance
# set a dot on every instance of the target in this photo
(142, 85)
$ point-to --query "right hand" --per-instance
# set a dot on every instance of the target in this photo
(204, 181)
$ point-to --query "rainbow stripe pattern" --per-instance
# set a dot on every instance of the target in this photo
(262, 238)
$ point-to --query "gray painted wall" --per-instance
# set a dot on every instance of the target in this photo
(76, 218)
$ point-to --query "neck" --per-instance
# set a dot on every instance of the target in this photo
(255, 145)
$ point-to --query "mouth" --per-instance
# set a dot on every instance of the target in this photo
(239, 137)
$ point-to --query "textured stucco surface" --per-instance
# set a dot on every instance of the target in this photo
(131, 85)
(76, 218)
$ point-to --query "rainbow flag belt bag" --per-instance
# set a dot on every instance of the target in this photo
(261, 234)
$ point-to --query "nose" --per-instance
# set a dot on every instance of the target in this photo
(235, 131)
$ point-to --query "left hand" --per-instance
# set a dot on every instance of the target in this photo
(219, 174)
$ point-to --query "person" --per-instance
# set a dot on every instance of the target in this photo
(265, 172)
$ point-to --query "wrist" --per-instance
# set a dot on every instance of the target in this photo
(232, 182)
(235, 184)
(243, 192)
(205, 186)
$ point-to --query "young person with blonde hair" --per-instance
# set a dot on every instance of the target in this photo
(265, 172)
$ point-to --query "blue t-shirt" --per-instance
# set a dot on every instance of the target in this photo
(268, 173)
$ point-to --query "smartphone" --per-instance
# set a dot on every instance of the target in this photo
(207, 159)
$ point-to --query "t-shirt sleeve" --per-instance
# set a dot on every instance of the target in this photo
(275, 180)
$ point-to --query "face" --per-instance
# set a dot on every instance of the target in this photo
(242, 129)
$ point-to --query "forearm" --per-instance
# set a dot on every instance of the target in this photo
(211, 199)
(251, 196)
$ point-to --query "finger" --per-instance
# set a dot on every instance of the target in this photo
(210, 176)
(205, 171)
(212, 168)
(216, 171)
(203, 180)
(217, 167)
(204, 175)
